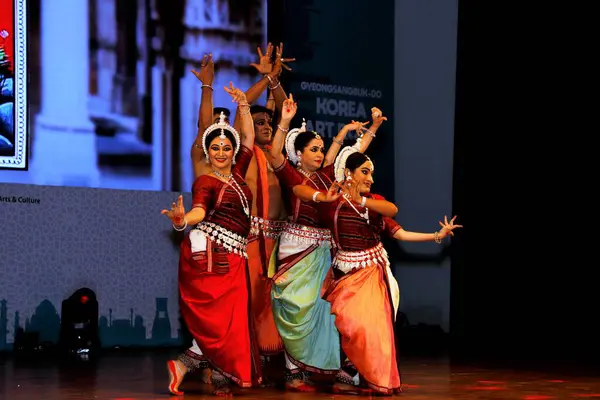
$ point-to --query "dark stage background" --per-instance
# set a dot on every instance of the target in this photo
(523, 282)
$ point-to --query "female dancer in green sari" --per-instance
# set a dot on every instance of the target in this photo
(304, 258)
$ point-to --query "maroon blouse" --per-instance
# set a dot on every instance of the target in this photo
(351, 232)
(302, 212)
(220, 200)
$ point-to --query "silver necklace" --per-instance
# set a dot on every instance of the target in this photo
(236, 187)
(221, 175)
(309, 175)
(364, 215)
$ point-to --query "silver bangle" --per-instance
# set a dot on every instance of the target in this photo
(314, 196)
(363, 202)
(182, 228)
(340, 142)
(282, 129)
(207, 86)
(436, 237)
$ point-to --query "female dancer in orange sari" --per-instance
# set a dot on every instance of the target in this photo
(213, 272)
(364, 296)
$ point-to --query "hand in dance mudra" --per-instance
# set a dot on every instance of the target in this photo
(350, 190)
(448, 227)
(237, 95)
(177, 212)
(377, 116)
(265, 65)
(290, 107)
(206, 75)
(280, 62)
(331, 195)
(357, 126)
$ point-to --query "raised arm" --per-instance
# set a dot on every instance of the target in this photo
(206, 75)
(378, 118)
(447, 229)
(275, 87)
(338, 140)
(283, 127)
(243, 110)
(271, 103)
(270, 72)
(265, 68)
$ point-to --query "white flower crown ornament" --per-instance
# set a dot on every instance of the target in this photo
(290, 138)
(223, 126)
(340, 162)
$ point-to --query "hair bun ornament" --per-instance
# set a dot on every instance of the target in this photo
(290, 138)
(223, 126)
(340, 162)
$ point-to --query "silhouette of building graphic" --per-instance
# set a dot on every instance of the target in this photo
(161, 328)
(122, 332)
(131, 331)
(46, 322)
(6, 339)
(17, 323)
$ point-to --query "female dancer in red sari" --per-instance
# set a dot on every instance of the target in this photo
(213, 273)
(364, 296)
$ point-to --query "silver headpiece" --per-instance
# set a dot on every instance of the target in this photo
(223, 126)
(340, 162)
(290, 138)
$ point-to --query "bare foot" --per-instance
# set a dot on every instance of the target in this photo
(206, 375)
(222, 390)
(176, 373)
(266, 383)
(344, 388)
(298, 385)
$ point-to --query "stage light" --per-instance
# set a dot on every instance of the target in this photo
(79, 324)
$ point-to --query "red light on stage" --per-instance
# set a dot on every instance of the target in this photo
(407, 386)
(494, 386)
(537, 397)
(84, 299)
(490, 388)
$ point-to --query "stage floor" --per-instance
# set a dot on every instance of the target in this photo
(142, 375)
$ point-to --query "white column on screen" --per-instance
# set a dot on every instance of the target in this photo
(162, 159)
(107, 59)
(65, 142)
